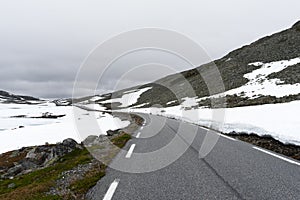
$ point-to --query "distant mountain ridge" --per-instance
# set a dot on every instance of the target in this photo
(6, 97)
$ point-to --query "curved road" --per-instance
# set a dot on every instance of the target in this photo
(162, 161)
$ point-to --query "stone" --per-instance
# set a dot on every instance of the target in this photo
(12, 185)
(70, 143)
(15, 170)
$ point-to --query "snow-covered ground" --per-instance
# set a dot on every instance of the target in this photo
(25, 131)
(281, 121)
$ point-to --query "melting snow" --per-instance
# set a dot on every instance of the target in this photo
(259, 84)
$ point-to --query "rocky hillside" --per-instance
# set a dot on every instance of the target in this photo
(277, 52)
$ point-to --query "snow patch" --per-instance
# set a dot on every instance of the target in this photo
(170, 102)
(129, 98)
(189, 102)
(96, 98)
(260, 85)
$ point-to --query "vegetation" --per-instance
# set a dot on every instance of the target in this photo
(121, 140)
(82, 186)
(289, 75)
(35, 185)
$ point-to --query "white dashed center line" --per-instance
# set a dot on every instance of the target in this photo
(277, 156)
(138, 135)
(111, 190)
(129, 153)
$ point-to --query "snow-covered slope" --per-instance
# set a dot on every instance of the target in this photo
(21, 126)
(260, 85)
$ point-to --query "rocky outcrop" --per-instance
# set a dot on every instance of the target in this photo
(29, 159)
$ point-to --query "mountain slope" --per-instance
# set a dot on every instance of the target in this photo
(280, 47)
(265, 73)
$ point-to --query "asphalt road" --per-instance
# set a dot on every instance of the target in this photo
(168, 159)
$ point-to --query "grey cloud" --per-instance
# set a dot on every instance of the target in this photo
(44, 43)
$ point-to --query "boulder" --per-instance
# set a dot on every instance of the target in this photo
(70, 143)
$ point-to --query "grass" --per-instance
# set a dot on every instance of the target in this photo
(90, 179)
(35, 185)
(121, 140)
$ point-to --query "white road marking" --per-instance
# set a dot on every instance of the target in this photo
(138, 135)
(129, 153)
(277, 156)
(225, 136)
(204, 128)
(142, 128)
(111, 190)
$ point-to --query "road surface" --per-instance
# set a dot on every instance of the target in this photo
(165, 160)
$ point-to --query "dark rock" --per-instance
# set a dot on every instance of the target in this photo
(14, 171)
(111, 133)
(70, 143)
(28, 164)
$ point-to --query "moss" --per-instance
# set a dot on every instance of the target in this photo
(121, 140)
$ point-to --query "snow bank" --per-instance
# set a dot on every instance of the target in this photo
(281, 121)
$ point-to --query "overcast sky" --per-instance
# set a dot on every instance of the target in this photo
(43, 43)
